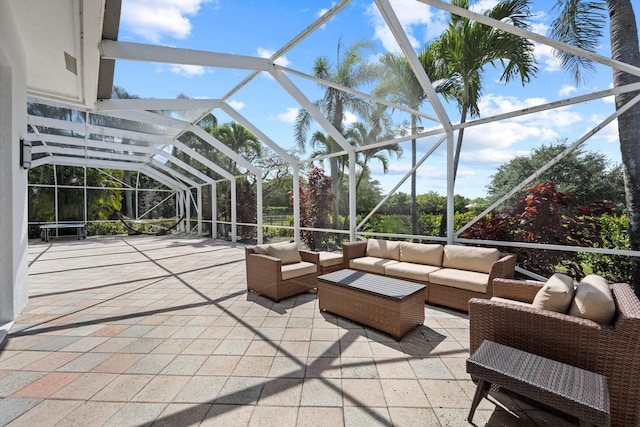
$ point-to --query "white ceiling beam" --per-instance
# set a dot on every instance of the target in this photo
(394, 25)
(297, 94)
(203, 160)
(107, 164)
(358, 93)
(154, 118)
(157, 104)
(91, 143)
(297, 39)
(178, 176)
(89, 154)
(193, 171)
(257, 132)
(172, 55)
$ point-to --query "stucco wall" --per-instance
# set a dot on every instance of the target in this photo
(13, 179)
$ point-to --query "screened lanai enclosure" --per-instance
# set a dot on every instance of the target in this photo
(155, 157)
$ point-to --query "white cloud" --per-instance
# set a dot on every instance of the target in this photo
(491, 105)
(421, 23)
(268, 53)
(563, 117)
(566, 90)
(607, 134)
(289, 116)
(349, 118)
(153, 20)
(236, 105)
(187, 70)
(322, 11)
(544, 55)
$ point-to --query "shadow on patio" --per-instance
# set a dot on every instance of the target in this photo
(160, 330)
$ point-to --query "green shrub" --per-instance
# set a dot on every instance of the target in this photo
(615, 235)
(105, 229)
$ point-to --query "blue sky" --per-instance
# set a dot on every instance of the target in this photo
(260, 27)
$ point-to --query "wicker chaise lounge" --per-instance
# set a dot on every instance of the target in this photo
(277, 274)
(611, 350)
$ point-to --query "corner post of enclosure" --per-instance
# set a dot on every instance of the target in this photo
(352, 195)
(259, 208)
(199, 210)
(296, 202)
(187, 204)
(214, 210)
(234, 211)
(450, 188)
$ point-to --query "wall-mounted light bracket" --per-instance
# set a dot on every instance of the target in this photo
(25, 154)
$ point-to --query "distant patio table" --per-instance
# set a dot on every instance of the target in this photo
(81, 229)
(391, 305)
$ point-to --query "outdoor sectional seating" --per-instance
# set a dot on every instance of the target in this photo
(453, 273)
(611, 349)
(280, 270)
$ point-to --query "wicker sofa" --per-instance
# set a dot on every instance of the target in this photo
(280, 270)
(612, 350)
(453, 273)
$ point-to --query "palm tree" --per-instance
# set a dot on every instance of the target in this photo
(400, 85)
(467, 46)
(360, 135)
(580, 23)
(350, 71)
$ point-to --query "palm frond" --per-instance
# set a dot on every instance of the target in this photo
(579, 23)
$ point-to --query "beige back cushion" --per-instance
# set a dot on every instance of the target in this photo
(383, 249)
(593, 300)
(430, 254)
(470, 258)
(288, 253)
(260, 249)
(556, 294)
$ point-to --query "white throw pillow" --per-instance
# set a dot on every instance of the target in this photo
(288, 253)
(556, 294)
(593, 300)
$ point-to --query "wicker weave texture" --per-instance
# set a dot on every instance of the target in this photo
(572, 390)
(395, 317)
(610, 350)
(447, 296)
(264, 276)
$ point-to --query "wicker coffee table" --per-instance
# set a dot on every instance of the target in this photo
(391, 305)
(572, 390)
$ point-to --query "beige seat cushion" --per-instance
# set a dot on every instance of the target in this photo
(470, 258)
(410, 270)
(289, 271)
(287, 253)
(370, 264)
(593, 300)
(420, 253)
(511, 301)
(329, 259)
(383, 249)
(556, 294)
(461, 279)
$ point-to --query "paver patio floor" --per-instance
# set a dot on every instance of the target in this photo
(132, 331)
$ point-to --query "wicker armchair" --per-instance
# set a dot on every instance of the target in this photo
(265, 275)
(610, 350)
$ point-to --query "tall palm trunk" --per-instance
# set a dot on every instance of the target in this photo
(624, 47)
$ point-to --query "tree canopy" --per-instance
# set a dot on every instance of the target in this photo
(586, 174)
